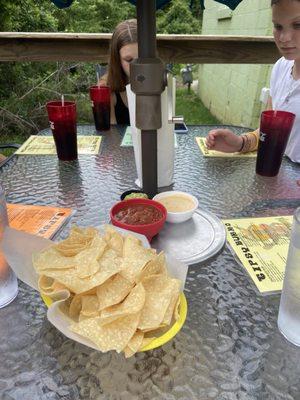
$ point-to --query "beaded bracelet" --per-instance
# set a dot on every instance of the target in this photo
(243, 143)
(250, 142)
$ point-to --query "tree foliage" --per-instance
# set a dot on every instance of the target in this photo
(26, 87)
(27, 16)
(178, 18)
(94, 16)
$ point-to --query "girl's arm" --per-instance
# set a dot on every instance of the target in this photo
(228, 142)
(250, 139)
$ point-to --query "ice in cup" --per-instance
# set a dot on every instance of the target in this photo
(62, 118)
(275, 129)
(100, 98)
(289, 309)
(8, 280)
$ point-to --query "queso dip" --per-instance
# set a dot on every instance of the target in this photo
(177, 203)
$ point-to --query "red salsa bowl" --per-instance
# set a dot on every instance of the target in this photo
(143, 216)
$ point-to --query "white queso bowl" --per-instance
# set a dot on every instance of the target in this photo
(177, 217)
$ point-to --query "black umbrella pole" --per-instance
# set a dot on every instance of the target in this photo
(146, 23)
(149, 162)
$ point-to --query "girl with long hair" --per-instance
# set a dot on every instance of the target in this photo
(123, 49)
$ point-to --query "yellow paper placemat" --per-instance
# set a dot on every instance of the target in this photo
(42, 145)
(127, 138)
(212, 153)
(261, 244)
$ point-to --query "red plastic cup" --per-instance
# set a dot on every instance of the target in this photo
(149, 230)
(275, 129)
(62, 120)
(100, 98)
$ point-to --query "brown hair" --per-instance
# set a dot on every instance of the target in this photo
(125, 33)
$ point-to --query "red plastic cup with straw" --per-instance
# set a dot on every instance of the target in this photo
(62, 118)
(274, 132)
(100, 99)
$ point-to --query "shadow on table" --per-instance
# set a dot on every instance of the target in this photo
(70, 186)
(281, 206)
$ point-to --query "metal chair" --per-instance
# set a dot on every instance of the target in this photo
(7, 146)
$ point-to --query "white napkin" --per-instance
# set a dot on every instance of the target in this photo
(18, 248)
(165, 138)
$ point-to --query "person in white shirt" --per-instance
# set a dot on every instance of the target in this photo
(284, 84)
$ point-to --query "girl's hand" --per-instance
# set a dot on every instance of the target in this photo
(223, 140)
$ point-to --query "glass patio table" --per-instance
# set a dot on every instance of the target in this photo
(229, 348)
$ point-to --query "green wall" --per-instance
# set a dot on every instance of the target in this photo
(231, 91)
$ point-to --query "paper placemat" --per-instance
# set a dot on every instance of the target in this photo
(42, 145)
(261, 245)
(43, 221)
(127, 139)
(212, 153)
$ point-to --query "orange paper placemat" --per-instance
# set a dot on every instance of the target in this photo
(39, 220)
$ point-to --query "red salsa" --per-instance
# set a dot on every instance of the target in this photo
(140, 214)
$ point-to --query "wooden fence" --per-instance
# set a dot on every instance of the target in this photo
(197, 49)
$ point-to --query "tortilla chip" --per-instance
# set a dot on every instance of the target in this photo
(133, 303)
(71, 249)
(90, 306)
(135, 256)
(152, 331)
(113, 291)
(84, 306)
(128, 352)
(78, 240)
(75, 306)
(177, 310)
(158, 296)
(174, 299)
(136, 341)
(134, 344)
(156, 266)
(113, 336)
(91, 291)
(50, 258)
(114, 240)
(109, 265)
(49, 286)
(130, 244)
(87, 260)
(53, 289)
(82, 234)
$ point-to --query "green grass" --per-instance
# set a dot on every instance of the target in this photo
(187, 104)
(192, 108)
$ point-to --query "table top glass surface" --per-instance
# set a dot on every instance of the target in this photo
(229, 348)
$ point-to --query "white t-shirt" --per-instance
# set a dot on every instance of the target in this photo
(285, 93)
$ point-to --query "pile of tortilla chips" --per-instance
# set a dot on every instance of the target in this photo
(121, 296)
